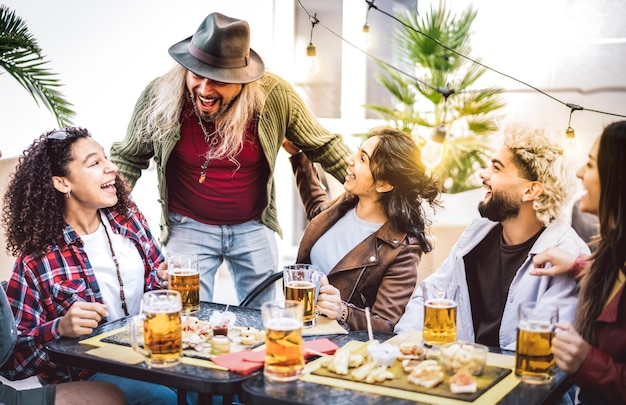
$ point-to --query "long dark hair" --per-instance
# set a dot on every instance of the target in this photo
(32, 214)
(397, 160)
(610, 255)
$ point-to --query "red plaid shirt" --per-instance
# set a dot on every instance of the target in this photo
(43, 288)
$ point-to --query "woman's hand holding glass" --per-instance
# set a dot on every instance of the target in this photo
(569, 348)
(162, 274)
(329, 300)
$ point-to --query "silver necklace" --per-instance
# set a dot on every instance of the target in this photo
(209, 138)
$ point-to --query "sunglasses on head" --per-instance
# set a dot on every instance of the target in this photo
(58, 135)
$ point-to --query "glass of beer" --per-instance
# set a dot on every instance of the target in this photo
(440, 305)
(284, 358)
(184, 277)
(534, 361)
(160, 322)
(300, 282)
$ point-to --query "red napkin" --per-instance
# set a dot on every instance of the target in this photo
(247, 361)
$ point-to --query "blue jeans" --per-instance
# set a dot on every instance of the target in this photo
(139, 392)
(249, 249)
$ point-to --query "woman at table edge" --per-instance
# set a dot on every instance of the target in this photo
(79, 242)
(594, 352)
(370, 239)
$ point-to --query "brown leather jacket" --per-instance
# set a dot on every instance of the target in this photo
(383, 267)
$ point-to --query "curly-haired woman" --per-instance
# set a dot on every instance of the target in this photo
(84, 254)
(369, 240)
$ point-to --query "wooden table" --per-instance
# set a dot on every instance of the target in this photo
(257, 391)
(183, 377)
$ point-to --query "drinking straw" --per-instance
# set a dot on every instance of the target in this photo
(370, 334)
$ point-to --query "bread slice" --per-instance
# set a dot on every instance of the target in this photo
(463, 382)
(427, 374)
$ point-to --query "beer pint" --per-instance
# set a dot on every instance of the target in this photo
(160, 322)
(300, 285)
(184, 277)
(440, 308)
(284, 358)
(534, 361)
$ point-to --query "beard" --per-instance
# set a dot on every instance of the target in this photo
(498, 208)
(208, 117)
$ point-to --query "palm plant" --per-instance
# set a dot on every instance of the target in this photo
(21, 57)
(442, 98)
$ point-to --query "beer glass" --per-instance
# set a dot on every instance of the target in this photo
(534, 361)
(440, 307)
(300, 282)
(160, 322)
(184, 277)
(284, 358)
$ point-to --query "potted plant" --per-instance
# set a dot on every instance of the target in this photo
(441, 103)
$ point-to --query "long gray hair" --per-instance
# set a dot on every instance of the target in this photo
(166, 101)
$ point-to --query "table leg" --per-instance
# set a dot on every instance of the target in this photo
(206, 399)
(182, 397)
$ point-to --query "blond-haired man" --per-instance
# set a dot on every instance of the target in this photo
(528, 183)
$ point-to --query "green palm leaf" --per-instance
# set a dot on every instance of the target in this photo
(21, 57)
(420, 39)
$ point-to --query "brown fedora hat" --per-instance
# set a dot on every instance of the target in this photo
(220, 51)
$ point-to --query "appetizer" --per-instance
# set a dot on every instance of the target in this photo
(427, 374)
(463, 382)
(196, 333)
(411, 351)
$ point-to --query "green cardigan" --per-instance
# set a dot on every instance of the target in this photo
(283, 115)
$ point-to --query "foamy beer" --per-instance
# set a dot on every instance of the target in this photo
(184, 277)
(284, 359)
(440, 307)
(160, 322)
(534, 361)
(300, 282)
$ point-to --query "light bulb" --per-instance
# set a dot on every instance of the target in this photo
(312, 64)
(432, 152)
(366, 36)
(570, 135)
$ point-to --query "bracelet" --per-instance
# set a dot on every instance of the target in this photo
(579, 265)
(344, 313)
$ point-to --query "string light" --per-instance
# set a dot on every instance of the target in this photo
(367, 38)
(432, 152)
(570, 134)
(372, 5)
(312, 63)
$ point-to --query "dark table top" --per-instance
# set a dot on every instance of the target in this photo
(183, 377)
(258, 391)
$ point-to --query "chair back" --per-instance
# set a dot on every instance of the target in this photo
(268, 282)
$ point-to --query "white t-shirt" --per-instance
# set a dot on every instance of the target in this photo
(96, 246)
(339, 239)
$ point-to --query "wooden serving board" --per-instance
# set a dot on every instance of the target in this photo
(490, 376)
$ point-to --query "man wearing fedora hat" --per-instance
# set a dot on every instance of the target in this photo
(214, 125)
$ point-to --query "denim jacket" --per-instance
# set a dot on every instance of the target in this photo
(560, 290)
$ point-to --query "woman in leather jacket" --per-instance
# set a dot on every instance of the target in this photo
(370, 239)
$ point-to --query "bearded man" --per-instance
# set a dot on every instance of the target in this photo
(214, 125)
(528, 184)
